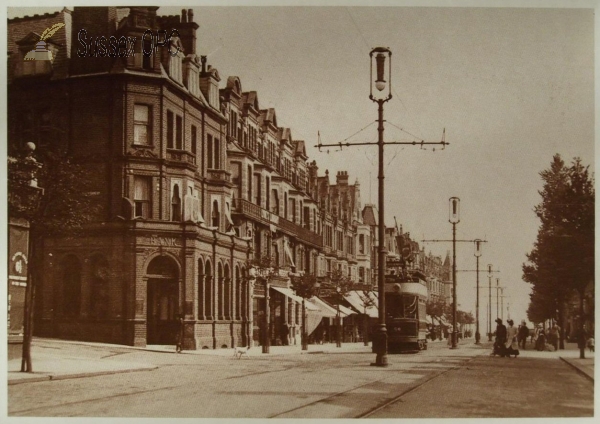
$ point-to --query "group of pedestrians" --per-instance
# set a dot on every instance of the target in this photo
(506, 343)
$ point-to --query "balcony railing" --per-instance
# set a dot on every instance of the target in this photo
(256, 212)
(219, 175)
(181, 156)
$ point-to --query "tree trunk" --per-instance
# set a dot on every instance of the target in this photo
(366, 329)
(304, 335)
(561, 324)
(581, 339)
(26, 365)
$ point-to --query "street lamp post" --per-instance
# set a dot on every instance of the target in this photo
(338, 339)
(497, 298)
(477, 255)
(490, 303)
(267, 342)
(502, 303)
(454, 218)
(378, 57)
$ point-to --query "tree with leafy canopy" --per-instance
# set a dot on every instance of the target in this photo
(305, 286)
(562, 259)
(339, 285)
(368, 301)
(61, 207)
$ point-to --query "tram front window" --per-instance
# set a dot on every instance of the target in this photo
(394, 307)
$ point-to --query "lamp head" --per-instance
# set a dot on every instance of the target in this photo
(382, 78)
(454, 212)
(477, 247)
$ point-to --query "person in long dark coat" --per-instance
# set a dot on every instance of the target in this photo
(523, 334)
(500, 338)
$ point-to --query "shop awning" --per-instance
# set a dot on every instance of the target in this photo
(290, 293)
(357, 301)
(326, 310)
(344, 311)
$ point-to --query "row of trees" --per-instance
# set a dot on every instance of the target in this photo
(561, 262)
(438, 309)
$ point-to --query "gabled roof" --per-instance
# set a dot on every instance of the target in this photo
(268, 115)
(250, 98)
(447, 260)
(299, 148)
(285, 134)
(234, 84)
(369, 215)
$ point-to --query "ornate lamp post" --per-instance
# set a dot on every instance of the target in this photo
(338, 339)
(381, 94)
(477, 255)
(454, 218)
(490, 275)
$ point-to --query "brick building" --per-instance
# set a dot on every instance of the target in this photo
(152, 133)
(192, 182)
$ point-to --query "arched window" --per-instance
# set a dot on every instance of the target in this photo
(228, 300)
(208, 288)
(216, 216)
(176, 204)
(245, 283)
(220, 291)
(238, 293)
(276, 255)
(71, 287)
(274, 201)
(201, 290)
(99, 299)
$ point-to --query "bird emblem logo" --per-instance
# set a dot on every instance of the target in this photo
(41, 51)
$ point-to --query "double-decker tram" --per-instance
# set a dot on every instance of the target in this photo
(405, 320)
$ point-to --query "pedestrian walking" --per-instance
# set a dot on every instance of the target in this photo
(523, 334)
(511, 345)
(591, 344)
(179, 342)
(554, 336)
(540, 340)
(500, 338)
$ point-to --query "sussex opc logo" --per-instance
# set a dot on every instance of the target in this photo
(41, 51)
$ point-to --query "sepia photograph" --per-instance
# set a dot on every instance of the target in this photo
(315, 210)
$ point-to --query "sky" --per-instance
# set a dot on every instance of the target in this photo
(510, 86)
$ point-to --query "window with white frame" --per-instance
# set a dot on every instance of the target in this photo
(141, 196)
(141, 124)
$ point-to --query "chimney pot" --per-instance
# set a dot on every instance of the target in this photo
(190, 15)
(183, 15)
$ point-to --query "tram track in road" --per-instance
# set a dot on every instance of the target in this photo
(411, 389)
(412, 386)
(96, 399)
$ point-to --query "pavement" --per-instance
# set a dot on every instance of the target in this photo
(55, 359)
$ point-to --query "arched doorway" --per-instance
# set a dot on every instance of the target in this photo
(163, 301)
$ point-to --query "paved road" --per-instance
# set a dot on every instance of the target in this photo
(309, 386)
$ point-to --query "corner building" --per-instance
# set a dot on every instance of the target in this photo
(152, 133)
(193, 182)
